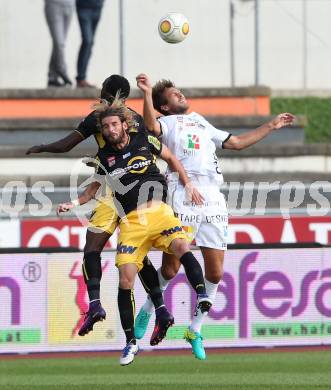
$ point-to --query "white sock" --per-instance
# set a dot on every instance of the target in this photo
(197, 321)
(163, 282)
(148, 306)
(211, 289)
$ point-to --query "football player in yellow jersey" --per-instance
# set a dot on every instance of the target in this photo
(139, 189)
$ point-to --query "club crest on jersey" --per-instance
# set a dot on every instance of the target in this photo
(193, 141)
(111, 161)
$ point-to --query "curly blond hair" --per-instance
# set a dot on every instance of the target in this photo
(104, 109)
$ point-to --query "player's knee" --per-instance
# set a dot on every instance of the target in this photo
(93, 246)
(169, 271)
(96, 240)
(126, 282)
(179, 246)
(215, 277)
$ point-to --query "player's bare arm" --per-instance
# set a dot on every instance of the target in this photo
(88, 194)
(150, 120)
(176, 166)
(245, 140)
(61, 146)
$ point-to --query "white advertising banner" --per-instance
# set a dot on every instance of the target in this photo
(10, 236)
(268, 297)
(23, 303)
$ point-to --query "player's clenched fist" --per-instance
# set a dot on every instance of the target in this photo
(143, 82)
(64, 207)
(281, 120)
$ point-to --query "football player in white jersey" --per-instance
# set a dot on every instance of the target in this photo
(194, 140)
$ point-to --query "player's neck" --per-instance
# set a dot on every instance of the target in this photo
(180, 112)
(123, 143)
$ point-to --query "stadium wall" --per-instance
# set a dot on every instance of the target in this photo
(269, 297)
(202, 60)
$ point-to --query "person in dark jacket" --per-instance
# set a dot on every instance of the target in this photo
(88, 12)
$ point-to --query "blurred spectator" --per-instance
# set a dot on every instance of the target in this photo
(58, 15)
(88, 12)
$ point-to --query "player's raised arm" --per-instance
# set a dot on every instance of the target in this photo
(245, 140)
(150, 120)
(86, 196)
(176, 166)
(62, 146)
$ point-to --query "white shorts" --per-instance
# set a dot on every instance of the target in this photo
(207, 224)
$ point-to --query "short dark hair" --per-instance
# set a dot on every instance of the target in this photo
(157, 94)
(114, 84)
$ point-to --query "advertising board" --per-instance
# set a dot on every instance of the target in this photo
(268, 297)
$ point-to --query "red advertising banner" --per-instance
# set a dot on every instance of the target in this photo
(277, 229)
(56, 233)
(258, 230)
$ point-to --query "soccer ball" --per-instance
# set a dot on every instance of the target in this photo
(173, 27)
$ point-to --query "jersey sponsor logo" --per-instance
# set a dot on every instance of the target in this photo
(155, 142)
(111, 161)
(217, 168)
(138, 164)
(189, 218)
(190, 152)
(216, 218)
(169, 232)
(193, 141)
(126, 155)
(125, 249)
(195, 124)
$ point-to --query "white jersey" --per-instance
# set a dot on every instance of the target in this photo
(193, 140)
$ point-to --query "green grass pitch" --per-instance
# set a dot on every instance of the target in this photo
(235, 371)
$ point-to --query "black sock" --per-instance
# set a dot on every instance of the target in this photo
(150, 281)
(93, 289)
(126, 307)
(92, 274)
(193, 272)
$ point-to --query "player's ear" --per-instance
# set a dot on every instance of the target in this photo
(164, 108)
(125, 126)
